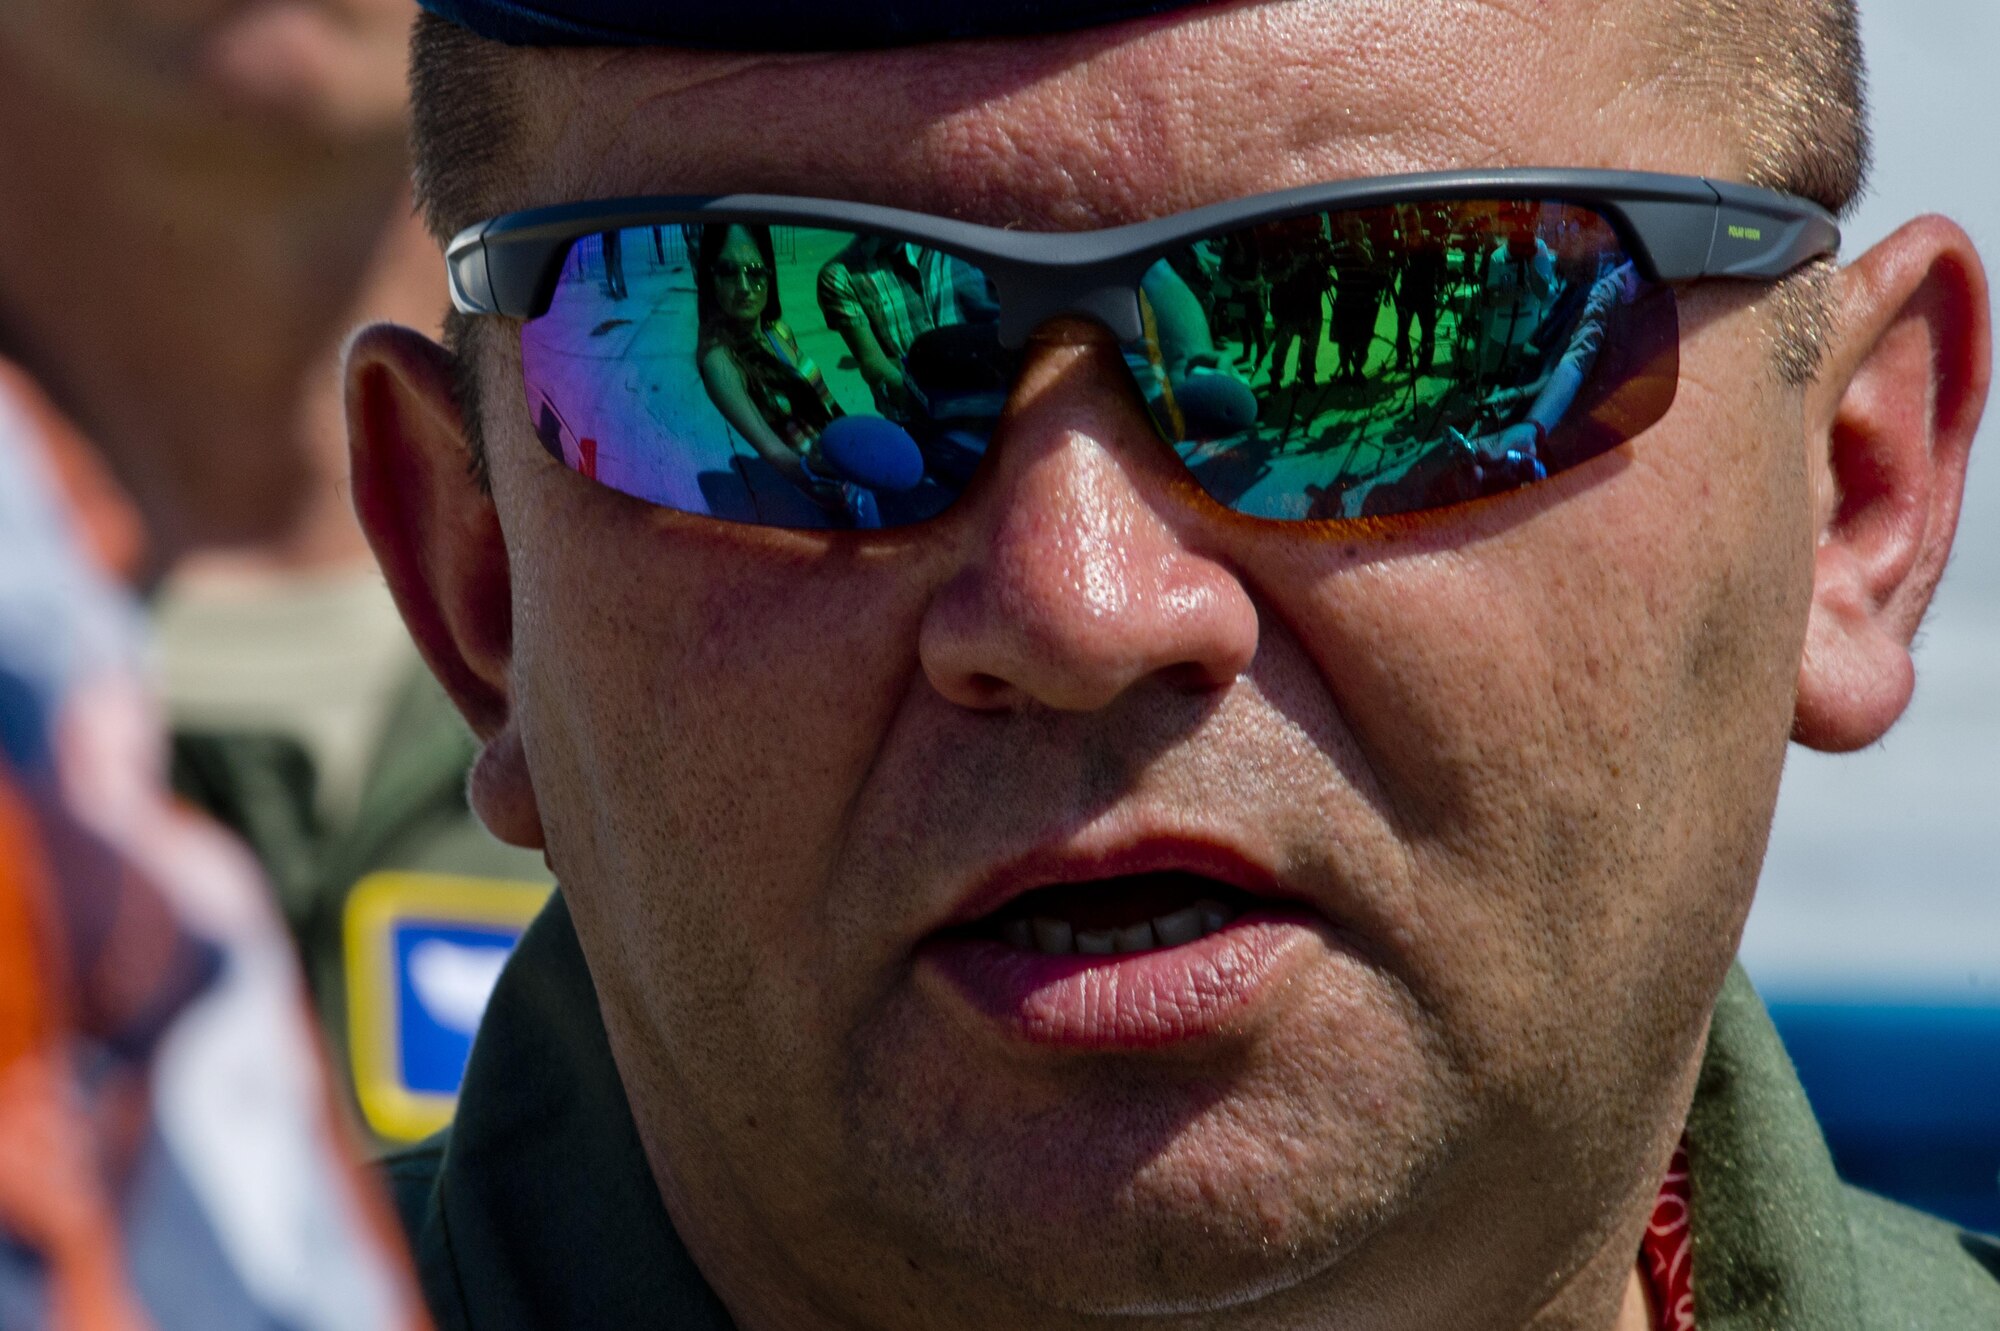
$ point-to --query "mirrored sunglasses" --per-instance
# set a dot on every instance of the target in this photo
(1363, 349)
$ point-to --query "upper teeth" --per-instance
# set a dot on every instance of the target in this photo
(1056, 937)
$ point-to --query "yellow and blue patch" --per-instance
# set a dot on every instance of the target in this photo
(423, 953)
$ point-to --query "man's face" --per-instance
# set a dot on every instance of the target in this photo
(1509, 766)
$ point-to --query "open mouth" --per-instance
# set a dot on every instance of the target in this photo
(1165, 943)
(1114, 916)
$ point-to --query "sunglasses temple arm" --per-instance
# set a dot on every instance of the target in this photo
(512, 275)
(1762, 235)
(466, 268)
(1745, 232)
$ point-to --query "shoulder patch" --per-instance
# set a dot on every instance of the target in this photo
(422, 954)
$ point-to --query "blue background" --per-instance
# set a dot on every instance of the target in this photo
(1909, 1099)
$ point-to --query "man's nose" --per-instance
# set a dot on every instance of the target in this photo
(1085, 577)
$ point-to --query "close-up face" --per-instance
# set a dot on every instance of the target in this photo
(1484, 789)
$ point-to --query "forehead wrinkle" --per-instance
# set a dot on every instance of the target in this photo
(1119, 113)
(1089, 129)
(607, 91)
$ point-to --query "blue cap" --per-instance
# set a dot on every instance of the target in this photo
(778, 25)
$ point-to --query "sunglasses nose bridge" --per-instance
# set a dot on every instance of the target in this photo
(1030, 298)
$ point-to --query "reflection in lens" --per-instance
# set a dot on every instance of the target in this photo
(1358, 363)
(763, 374)
(1410, 357)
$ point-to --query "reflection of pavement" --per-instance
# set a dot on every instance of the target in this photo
(1313, 438)
(639, 367)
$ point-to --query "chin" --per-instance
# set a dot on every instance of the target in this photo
(1123, 1204)
(1166, 1245)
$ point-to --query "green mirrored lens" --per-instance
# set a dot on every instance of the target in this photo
(1380, 361)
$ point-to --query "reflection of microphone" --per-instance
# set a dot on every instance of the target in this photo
(871, 452)
(1215, 404)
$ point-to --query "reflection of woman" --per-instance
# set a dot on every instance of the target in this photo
(749, 359)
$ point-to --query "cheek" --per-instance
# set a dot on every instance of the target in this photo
(700, 702)
(1576, 702)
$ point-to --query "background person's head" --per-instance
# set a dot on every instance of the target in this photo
(202, 199)
(270, 69)
(1519, 757)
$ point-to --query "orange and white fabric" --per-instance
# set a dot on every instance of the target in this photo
(170, 1156)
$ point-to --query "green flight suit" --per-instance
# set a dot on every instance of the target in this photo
(537, 1209)
(412, 818)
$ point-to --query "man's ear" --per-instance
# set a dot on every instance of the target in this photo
(437, 537)
(1894, 416)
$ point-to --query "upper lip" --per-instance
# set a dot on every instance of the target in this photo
(1075, 861)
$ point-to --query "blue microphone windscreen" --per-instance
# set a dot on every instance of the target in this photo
(871, 451)
(1216, 404)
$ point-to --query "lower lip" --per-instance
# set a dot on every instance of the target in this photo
(1140, 1000)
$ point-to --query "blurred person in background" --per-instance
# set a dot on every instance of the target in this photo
(203, 196)
(169, 1153)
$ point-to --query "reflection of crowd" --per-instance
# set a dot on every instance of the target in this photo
(1298, 262)
(1424, 238)
(1305, 302)
(880, 296)
(900, 309)
(1357, 299)
(1473, 327)
(1289, 291)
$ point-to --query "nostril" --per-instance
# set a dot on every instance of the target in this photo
(1192, 677)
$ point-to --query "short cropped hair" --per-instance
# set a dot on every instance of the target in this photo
(1791, 76)
(1788, 73)
(464, 123)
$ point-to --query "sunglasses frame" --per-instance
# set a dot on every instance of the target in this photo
(1677, 229)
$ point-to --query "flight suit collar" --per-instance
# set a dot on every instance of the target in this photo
(545, 1213)
(1771, 1242)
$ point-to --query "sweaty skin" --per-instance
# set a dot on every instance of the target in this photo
(1521, 756)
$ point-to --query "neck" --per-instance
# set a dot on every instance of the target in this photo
(1614, 1296)
(182, 296)
(1434, 1269)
